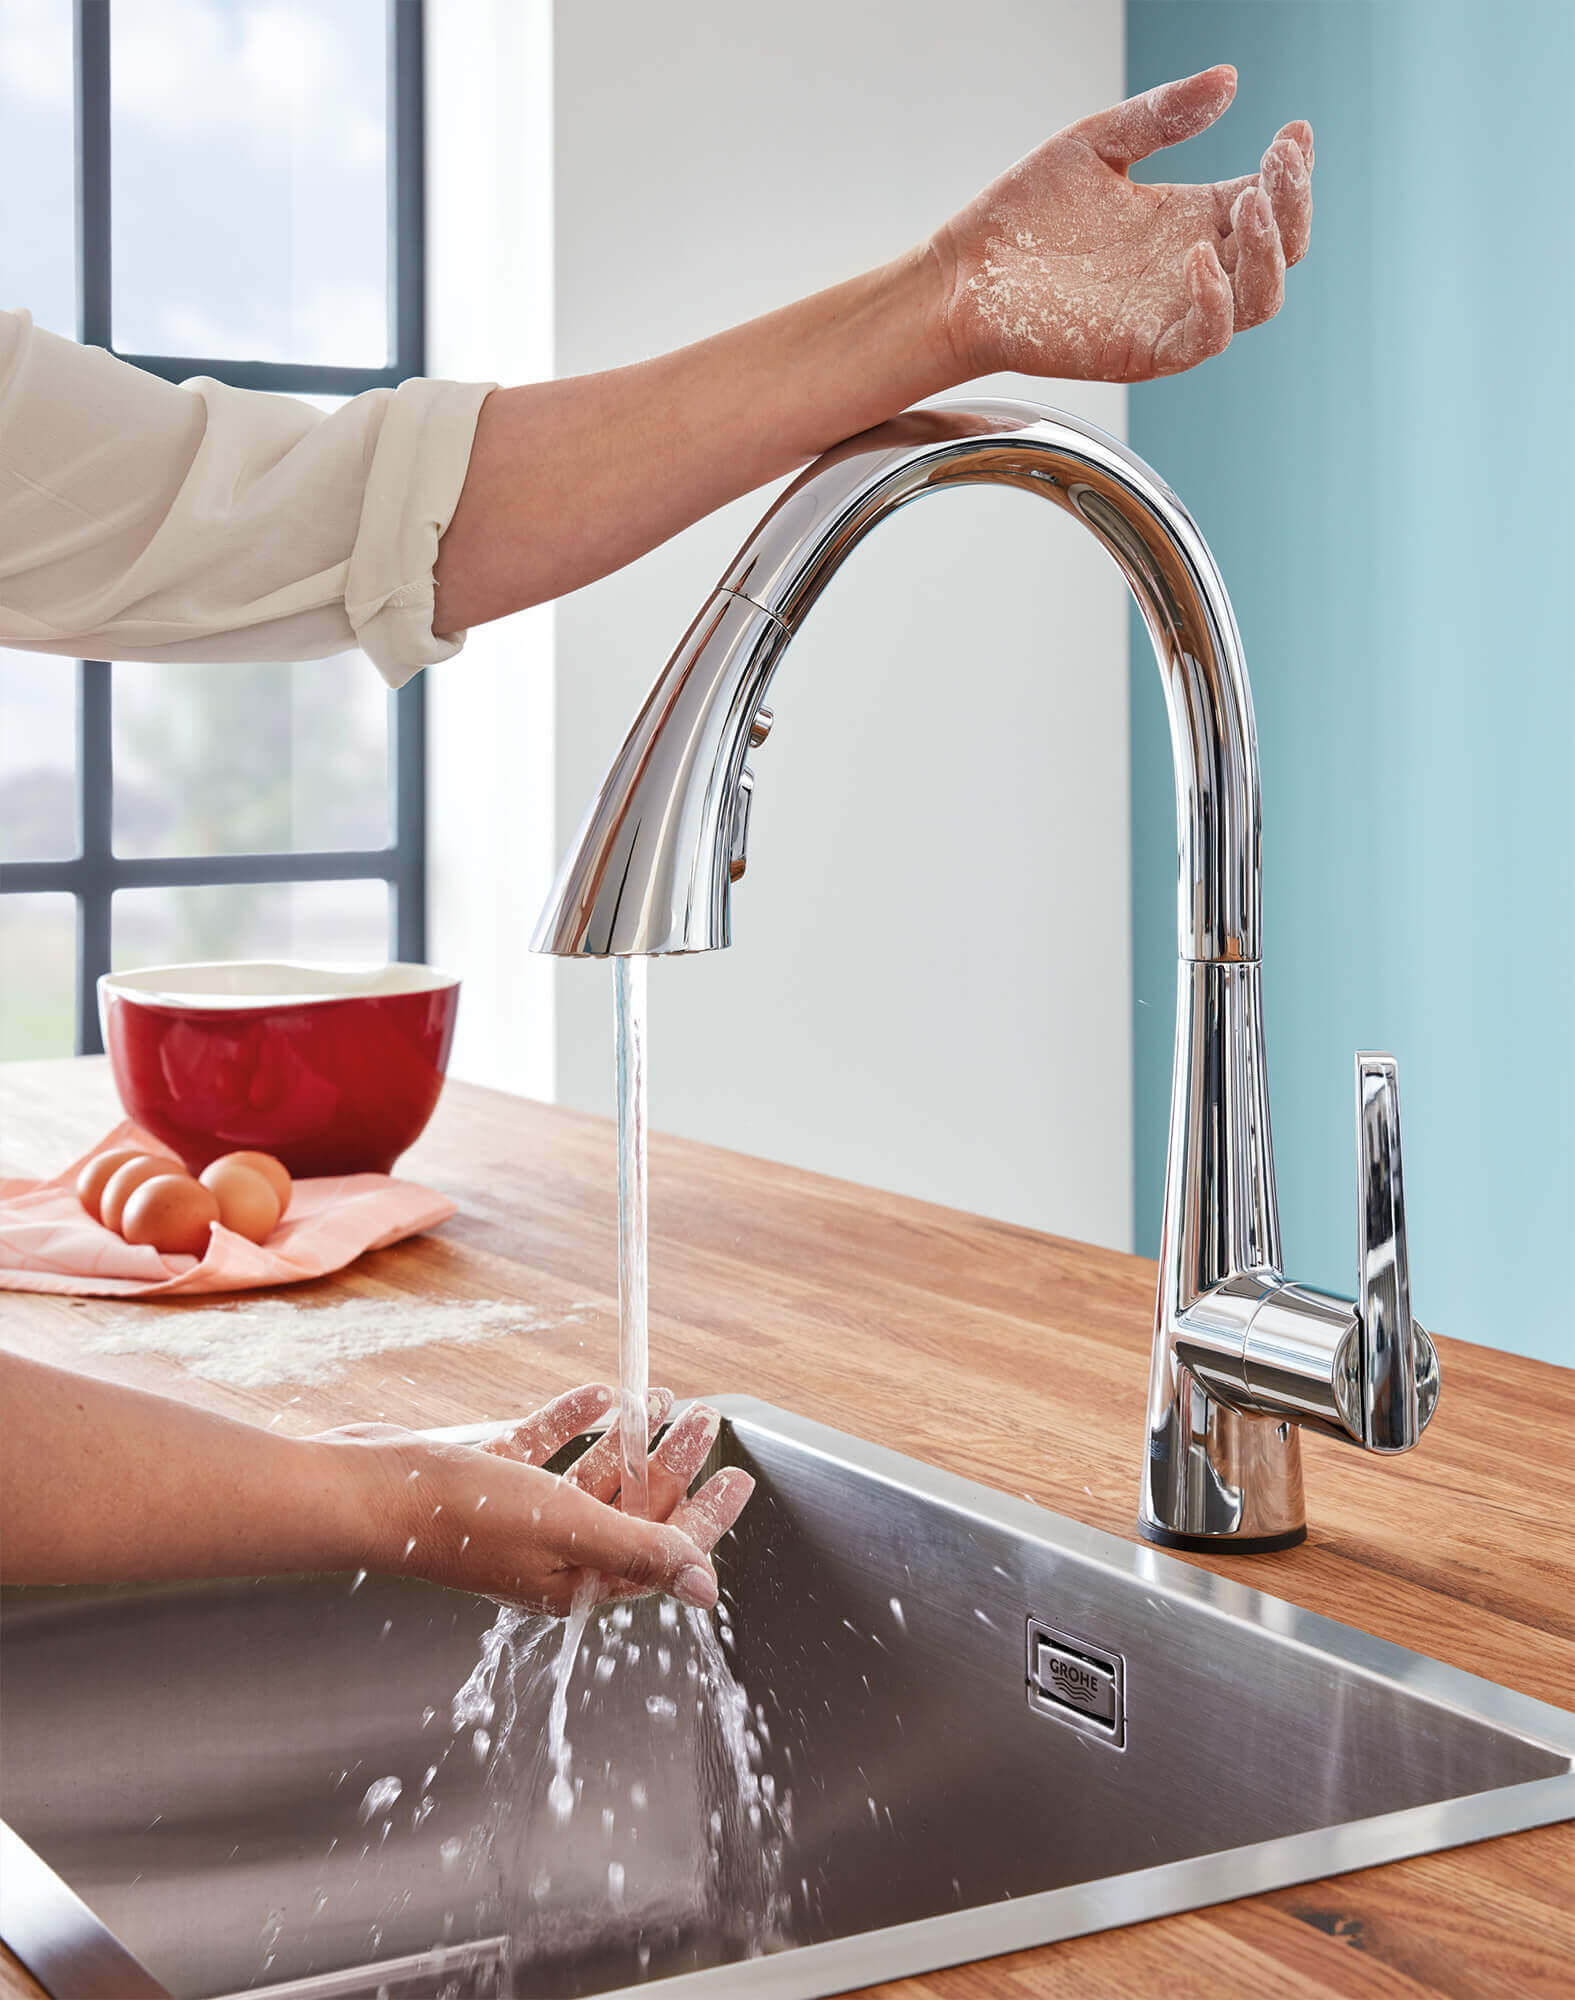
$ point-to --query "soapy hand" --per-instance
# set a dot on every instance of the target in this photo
(488, 1518)
(1064, 266)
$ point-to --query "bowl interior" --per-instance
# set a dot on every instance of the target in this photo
(270, 982)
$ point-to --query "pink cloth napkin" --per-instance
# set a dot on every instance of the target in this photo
(49, 1243)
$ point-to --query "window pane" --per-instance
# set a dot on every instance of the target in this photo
(250, 759)
(38, 972)
(343, 922)
(249, 151)
(38, 757)
(38, 161)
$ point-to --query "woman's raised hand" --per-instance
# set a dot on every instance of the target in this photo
(1065, 266)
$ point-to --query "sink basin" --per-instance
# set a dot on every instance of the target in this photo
(965, 1726)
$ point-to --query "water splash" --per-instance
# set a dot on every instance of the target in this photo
(627, 1800)
(560, 1793)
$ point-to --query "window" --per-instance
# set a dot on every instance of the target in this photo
(243, 186)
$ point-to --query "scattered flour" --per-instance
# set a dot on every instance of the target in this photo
(270, 1340)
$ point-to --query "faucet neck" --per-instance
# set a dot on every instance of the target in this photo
(651, 869)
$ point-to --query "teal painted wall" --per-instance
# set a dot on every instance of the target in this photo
(1385, 475)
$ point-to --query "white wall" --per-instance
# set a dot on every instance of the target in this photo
(491, 836)
(930, 983)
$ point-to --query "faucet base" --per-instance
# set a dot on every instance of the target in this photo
(1215, 1477)
(1235, 1545)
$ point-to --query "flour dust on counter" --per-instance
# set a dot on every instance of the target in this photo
(270, 1341)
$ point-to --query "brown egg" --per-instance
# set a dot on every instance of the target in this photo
(125, 1181)
(260, 1163)
(172, 1212)
(247, 1202)
(95, 1175)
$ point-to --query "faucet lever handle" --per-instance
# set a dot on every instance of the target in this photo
(1399, 1365)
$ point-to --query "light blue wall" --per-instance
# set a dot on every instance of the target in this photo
(1385, 475)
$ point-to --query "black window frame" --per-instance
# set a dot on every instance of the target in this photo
(95, 873)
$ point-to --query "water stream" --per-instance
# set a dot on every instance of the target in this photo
(633, 1335)
(667, 1825)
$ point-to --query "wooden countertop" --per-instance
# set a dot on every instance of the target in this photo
(1016, 1359)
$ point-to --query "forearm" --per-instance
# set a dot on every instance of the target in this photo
(570, 480)
(103, 1483)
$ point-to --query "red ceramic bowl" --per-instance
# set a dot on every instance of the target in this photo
(333, 1069)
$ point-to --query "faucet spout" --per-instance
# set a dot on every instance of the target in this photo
(651, 867)
(654, 866)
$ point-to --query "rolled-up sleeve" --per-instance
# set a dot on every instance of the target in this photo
(141, 521)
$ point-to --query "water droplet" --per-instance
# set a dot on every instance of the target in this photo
(615, 1881)
(637, 1794)
(659, 1705)
(481, 1742)
(380, 1795)
(605, 1668)
(360, 1578)
(896, 1612)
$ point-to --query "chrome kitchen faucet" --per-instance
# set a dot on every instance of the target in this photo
(1242, 1359)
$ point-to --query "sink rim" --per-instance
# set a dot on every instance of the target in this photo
(60, 1938)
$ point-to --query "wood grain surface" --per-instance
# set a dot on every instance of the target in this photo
(1013, 1358)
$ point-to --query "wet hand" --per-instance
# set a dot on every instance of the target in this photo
(489, 1518)
(1065, 266)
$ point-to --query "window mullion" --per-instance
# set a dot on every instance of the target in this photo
(93, 177)
(94, 740)
(95, 750)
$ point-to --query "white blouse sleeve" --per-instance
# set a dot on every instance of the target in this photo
(140, 521)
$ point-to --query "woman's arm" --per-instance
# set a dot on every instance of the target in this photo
(140, 521)
(1063, 267)
(103, 1483)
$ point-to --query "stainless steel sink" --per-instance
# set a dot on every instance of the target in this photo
(967, 1726)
